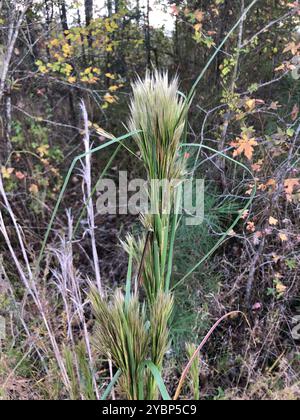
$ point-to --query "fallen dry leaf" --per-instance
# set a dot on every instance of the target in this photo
(289, 186)
(283, 237)
(273, 221)
(295, 112)
(250, 227)
(244, 145)
(34, 189)
(6, 172)
(199, 15)
(280, 288)
(20, 175)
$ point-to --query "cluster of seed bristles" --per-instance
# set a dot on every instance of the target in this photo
(129, 331)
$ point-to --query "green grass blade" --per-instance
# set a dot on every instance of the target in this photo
(232, 226)
(67, 179)
(111, 385)
(158, 379)
(172, 242)
(128, 280)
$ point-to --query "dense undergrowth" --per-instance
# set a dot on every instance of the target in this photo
(244, 113)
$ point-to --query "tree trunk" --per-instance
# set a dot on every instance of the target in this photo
(109, 7)
(148, 35)
(138, 11)
(88, 5)
(63, 15)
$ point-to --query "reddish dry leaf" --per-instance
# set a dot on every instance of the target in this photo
(257, 237)
(295, 112)
(271, 183)
(199, 15)
(257, 306)
(245, 214)
(244, 145)
(256, 167)
(292, 47)
(20, 175)
(174, 10)
(250, 191)
(294, 5)
(250, 227)
(289, 186)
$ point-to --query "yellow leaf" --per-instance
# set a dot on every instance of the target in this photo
(280, 288)
(250, 104)
(271, 183)
(6, 172)
(113, 88)
(43, 150)
(43, 69)
(54, 43)
(34, 189)
(274, 106)
(283, 237)
(72, 79)
(110, 76)
(109, 98)
(88, 70)
(67, 50)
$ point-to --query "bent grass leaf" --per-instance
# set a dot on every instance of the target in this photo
(232, 314)
(111, 385)
(62, 192)
(235, 222)
(158, 379)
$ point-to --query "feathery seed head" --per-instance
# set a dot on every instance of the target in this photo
(159, 112)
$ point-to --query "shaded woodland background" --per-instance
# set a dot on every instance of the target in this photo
(53, 54)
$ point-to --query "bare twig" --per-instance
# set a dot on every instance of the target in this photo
(87, 170)
(197, 351)
(12, 38)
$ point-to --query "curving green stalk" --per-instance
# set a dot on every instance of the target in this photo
(62, 192)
